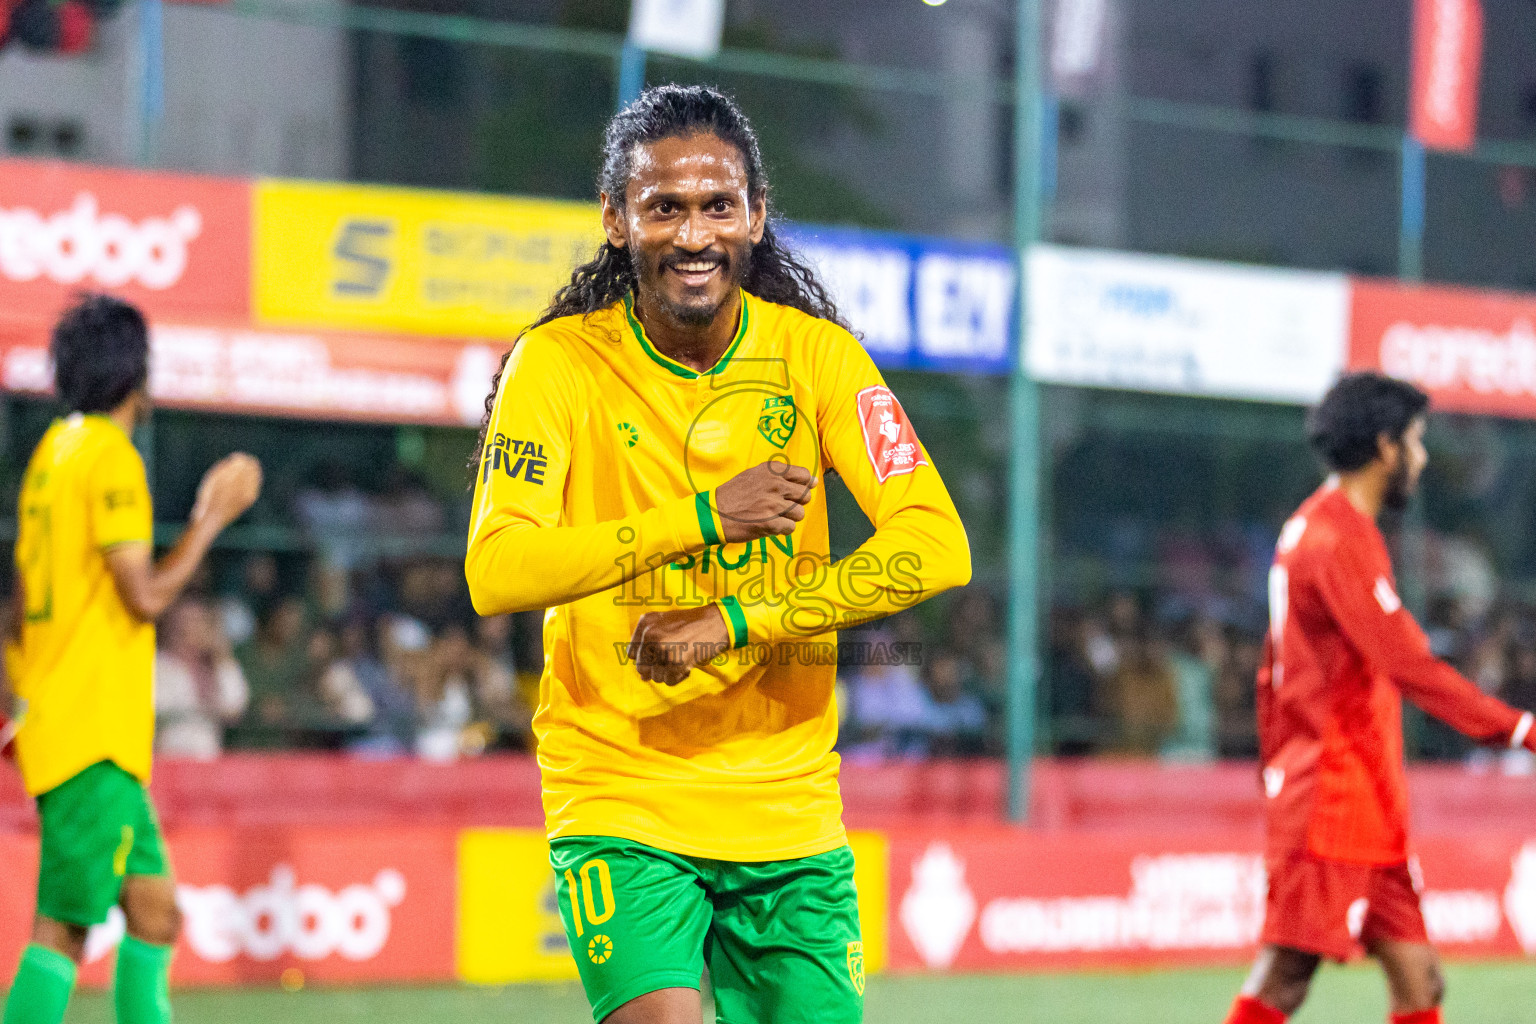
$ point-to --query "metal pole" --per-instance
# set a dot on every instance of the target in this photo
(1410, 235)
(631, 73)
(151, 44)
(1024, 463)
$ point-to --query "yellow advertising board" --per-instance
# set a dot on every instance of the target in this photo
(509, 925)
(406, 260)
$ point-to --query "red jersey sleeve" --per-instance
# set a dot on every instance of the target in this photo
(1368, 612)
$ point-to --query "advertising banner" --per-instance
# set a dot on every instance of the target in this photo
(289, 373)
(1447, 63)
(1191, 327)
(918, 303)
(334, 905)
(175, 244)
(1473, 351)
(354, 257)
(994, 900)
(510, 928)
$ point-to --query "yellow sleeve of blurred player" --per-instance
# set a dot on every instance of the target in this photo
(919, 547)
(520, 556)
(119, 509)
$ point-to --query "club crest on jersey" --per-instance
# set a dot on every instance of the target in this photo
(856, 966)
(778, 420)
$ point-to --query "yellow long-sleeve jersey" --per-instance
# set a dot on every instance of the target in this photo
(595, 501)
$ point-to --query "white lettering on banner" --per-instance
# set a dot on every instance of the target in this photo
(308, 921)
(872, 288)
(472, 375)
(1520, 897)
(1462, 916)
(81, 243)
(291, 372)
(27, 368)
(1481, 360)
(1177, 901)
(284, 371)
(938, 910)
(964, 305)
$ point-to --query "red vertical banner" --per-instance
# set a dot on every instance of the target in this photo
(1447, 60)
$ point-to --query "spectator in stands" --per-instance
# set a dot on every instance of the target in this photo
(391, 729)
(407, 507)
(990, 674)
(199, 688)
(1143, 693)
(1197, 654)
(887, 703)
(1236, 696)
(1073, 683)
(336, 515)
(343, 700)
(954, 721)
(257, 588)
(445, 697)
(1519, 688)
(497, 700)
(274, 662)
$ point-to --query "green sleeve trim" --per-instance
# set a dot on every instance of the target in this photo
(113, 545)
(736, 619)
(706, 513)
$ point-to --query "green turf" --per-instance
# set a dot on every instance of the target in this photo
(1479, 994)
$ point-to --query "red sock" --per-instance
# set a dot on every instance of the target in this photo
(1429, 1016)
(1248, 1010)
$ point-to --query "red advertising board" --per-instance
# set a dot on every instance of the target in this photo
(262, 371)
(1472, 351)
(1447, 59)
(338, 905)
(177, 245)
(1000, 900)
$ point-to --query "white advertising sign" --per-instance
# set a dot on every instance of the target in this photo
(1158, 323)
(689, 28)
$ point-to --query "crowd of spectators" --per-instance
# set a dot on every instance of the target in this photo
(356, 645)
(267, 670)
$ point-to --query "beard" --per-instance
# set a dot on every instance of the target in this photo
(1400, 488)
(735, 261)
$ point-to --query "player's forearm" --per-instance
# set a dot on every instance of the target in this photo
(517, 565)
(1445, 694)
(158, 589)
(918, 553)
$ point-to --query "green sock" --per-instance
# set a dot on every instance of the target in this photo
(142, 990)
(40, 993)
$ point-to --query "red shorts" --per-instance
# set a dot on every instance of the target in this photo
(1335, 908)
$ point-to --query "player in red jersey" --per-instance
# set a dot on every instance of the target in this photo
(1340, 654)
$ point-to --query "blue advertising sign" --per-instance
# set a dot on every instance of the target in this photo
(919, 303)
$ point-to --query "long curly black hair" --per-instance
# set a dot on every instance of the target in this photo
(774, 273)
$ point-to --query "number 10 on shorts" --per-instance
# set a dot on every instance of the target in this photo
(594, 887)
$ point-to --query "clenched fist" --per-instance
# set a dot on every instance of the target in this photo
(230, 486)
(766, 500)
(667, 645)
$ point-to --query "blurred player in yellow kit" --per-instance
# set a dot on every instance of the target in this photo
(80, 660)
(650, 473)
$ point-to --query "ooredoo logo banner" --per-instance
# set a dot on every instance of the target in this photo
(337, 905)
(179, 245)
(1472, 351)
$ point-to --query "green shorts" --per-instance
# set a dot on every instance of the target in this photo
(781, 938)
(98, 828)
